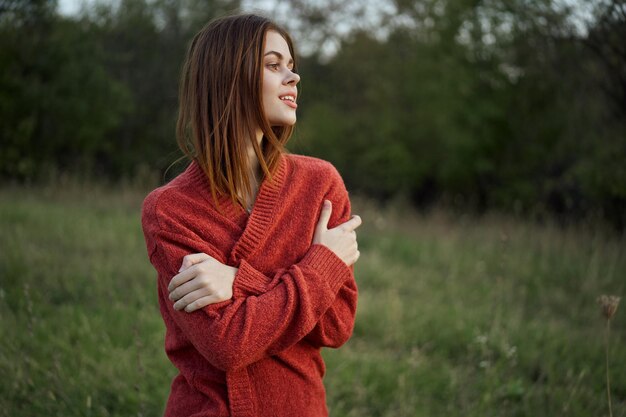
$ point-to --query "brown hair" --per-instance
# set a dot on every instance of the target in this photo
(221, 106)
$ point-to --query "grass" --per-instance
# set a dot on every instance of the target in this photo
(457, 315)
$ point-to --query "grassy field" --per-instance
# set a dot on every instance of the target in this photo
(457, 316)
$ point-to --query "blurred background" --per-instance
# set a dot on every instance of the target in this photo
(484, 145)
(515, 105)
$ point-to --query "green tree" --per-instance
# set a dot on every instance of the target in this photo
(57, 103)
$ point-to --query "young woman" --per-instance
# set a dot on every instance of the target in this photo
(253, 246)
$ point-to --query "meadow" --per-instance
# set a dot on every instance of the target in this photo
(457, 316)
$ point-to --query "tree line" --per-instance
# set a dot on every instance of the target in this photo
(513, 104)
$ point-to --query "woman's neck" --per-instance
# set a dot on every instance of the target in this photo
(253, 160)
(256, 173)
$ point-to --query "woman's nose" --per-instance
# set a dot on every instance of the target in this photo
(292, 78)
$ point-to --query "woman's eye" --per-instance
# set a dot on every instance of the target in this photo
(273, 66)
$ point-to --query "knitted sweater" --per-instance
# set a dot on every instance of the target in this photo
(257, 354)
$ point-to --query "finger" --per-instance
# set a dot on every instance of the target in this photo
(181, 278)
(186, 288)
(351, 224)
(193, 259)
(202, 302)
(191, 298)
(353, 258)
(327, 209)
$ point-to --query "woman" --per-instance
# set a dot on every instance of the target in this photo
(253, 247)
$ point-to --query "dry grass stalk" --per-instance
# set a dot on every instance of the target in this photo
(609, 304)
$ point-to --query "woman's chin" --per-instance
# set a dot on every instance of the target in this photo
(284, 123)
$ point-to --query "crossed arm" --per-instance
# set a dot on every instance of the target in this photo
(203, 280)
(232, 332)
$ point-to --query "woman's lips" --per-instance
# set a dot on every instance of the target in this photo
(290, 104)
(289, 99)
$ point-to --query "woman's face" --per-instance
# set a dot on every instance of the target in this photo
(279, 82)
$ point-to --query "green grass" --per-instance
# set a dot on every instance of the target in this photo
(457, 316)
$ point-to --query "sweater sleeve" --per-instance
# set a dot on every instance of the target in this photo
(337, 323)
(235, 333)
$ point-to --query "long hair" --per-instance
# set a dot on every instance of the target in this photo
(221, 106)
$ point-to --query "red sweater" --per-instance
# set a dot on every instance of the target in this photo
(257, 354)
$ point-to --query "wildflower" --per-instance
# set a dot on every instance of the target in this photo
(609, 305)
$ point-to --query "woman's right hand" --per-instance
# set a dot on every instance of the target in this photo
(341, 239)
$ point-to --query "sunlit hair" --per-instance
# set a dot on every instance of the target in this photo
(221, 106)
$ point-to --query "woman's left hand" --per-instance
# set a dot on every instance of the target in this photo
(202, 280)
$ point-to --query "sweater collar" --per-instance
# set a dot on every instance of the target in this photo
(263, 212)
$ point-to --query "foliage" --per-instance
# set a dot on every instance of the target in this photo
(514, 104)
(57, 102)
(487, 104)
